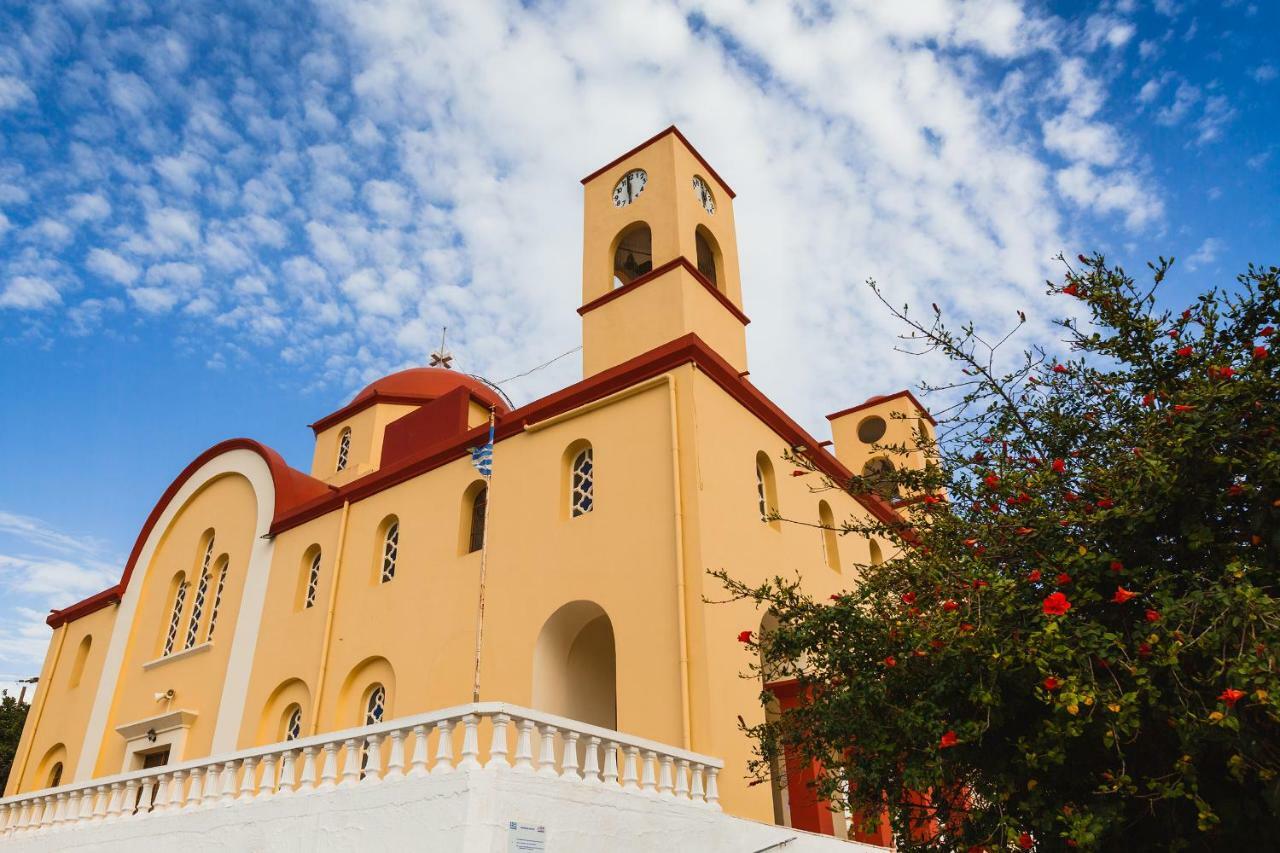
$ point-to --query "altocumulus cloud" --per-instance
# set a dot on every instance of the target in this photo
(329, 184)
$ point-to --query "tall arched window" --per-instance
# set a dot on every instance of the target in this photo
(830, 542)
(55, 776)
(293, 722)
(708, 254)
(875, 557)
(390, 548)
(879, 472)
(311, 565)
(582, 483)
(479, 505)
(175, 616)
(374, 707)
(202, 591)
(344, 449)
(221, 571)
(82, 656)
(766, 489)
(633, 256)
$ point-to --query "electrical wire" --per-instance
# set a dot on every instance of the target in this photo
(539, 367)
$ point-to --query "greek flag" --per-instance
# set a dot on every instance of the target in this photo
(482, 456)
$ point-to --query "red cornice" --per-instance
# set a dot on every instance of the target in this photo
(687, 144)
(357, 406)
(291, 487)
(884, 398)
(657, 272)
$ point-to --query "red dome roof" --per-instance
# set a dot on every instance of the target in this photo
(428, 383)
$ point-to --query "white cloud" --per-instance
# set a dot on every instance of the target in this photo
(1265, 73)
(1208, 252)
(88, 207)
(1184, 98)
(110, 265)
(130, 93)
(14, 92)
(29, 293)
(1114, 193)
(1079, 139)
(1149, 91)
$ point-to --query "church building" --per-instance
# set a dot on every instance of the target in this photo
(264, 605)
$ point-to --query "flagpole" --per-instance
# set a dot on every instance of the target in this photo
(484, 558)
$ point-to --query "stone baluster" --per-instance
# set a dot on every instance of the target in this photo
(116, 803)
(682, 779)
(649, 781)
(470, 743)
(308, 782)
(50, 812)
(38, 813)
(248, 778)
(547, 752)
(630, 776)
(444, 747)
(418, 765)
(611, 764)
(59, 809)
(713, 791)
(163, 791)
(351, 761)
(498, 746)
(664, 777)
(146, 793)
(373, 759)
(267, 785)
(524, 747)
(569, 757)
(329, 775)
(129, 803)
(6, 815)
(287, 772)
(696, 789)
(83, 808)
(395, 763)
(172, 799)
(209, 796)
(227, 783)
(195, 787)
(591, 761)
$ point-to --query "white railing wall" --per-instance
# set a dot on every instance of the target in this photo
(545, 744)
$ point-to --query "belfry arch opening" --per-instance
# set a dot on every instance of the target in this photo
(632, 254)
(708, 255)
(575, 665)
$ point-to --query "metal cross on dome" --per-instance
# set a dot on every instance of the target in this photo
(442, 357)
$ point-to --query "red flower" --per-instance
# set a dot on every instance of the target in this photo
(1056, 604)
(965, 627)
(980, 583)
(1267, 332)
(1034, 576)
(991, 480)
(1226, 372)
(1070, 496)
(1051, 683)
(744, 637)
(1173, 333)
(835, 598)
(1231, 696)
(931, 499)
(1259, 353)
(800, 472)
(1117, 566)
(1025, 841)
(1235, 489)
(1148, 400)
(1144, 650)
(1083, 259)
(1122, 595)
(1106, 503)
(1153, 615)
(1063, 578)
(950, 606)
(889, 661)
(1071, 289)
(1184, 352)
(971, 542)
(937, 644)
(1058, 368)
(908, 598)
(1059, 466)
(948, 740)
(1180, 408)
(1025, 531)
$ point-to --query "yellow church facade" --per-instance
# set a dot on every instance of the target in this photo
(262, 603)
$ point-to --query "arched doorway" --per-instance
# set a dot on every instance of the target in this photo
(575, 665)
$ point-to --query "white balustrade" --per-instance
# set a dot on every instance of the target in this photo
(568, 752)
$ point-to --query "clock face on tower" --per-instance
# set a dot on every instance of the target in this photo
(703, 192)
(629, 188)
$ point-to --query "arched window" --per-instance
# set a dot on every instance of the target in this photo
(633, 256)
(708, 254)
(390, 548)
(293, 722)
(82, 656)
(311, 565)
(202, 591)
(479, 507)
(175, 617)
(221, 571)
(375, 705)
(344, 449)
(879, 472)
(582, 483)
(874, 555)
(766, 489)
(55, 776)
(830, 542)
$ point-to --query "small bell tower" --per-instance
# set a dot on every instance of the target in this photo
(659, 256)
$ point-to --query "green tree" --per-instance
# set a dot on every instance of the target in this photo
(12, 716)
(1076, 646)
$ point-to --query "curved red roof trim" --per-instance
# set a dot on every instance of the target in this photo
(415, 386)
(292, 488)
(882, 398)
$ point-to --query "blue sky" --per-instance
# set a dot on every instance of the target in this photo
(221, 219)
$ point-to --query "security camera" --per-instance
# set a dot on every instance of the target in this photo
(168, 694)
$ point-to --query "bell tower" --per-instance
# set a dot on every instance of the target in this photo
(659, 256)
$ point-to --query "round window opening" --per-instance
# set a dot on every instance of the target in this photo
(871, 429)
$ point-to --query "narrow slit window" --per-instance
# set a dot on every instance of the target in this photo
(374, 707)
(760, 494)
(202, 592)
(175, 618)
(344, 449)
(478, 506)
(293, 726)
(217, 595)
(313, 580)
(390, 550)
(582, 499)
(55, 776)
